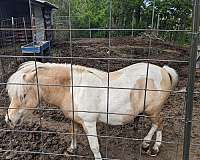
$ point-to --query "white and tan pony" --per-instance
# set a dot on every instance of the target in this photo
(123, 104)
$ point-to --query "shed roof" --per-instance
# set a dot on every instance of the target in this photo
(46, 3)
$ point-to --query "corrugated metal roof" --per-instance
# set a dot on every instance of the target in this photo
(46, 3)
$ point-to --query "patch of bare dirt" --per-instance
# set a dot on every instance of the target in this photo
(49, 135)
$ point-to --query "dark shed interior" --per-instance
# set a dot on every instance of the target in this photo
(14, 8)
(16, 14)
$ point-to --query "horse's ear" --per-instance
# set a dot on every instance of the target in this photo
(29, 77)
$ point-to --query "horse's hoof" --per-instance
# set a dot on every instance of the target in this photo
(135, 127)
(153, 152)
(66, 153)
(70, 150)
(145, 149)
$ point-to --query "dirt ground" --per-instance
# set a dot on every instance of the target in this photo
(47, 131)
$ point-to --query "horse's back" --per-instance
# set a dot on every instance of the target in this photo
(121, 97)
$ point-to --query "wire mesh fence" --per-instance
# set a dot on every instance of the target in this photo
(61, 22)
(47, 133)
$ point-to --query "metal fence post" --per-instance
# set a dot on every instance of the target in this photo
(25, 31)
(153, 14)
(191, 80)
(132, 25)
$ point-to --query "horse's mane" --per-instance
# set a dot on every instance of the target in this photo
(17, 86)
(93, 71)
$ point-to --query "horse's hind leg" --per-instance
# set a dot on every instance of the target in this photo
(147, 139)
(156, 127)
(159, 122)
(157, 144)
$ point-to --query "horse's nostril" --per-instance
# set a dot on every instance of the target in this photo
(6, 118)
(8, 121)
(19, 121)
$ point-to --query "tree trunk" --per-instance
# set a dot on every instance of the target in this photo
(137, 14)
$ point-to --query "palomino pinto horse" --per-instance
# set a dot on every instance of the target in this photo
(125, 103)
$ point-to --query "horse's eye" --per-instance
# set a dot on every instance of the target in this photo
(22, 97)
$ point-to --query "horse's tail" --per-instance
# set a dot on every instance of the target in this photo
(173, 75)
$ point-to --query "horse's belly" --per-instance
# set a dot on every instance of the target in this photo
(117, 117)
(95, 100)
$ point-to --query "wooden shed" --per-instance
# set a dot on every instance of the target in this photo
(19, 13)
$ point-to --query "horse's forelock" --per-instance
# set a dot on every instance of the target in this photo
(16, 85)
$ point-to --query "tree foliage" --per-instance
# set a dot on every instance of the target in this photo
(125, 12)
(174, 14)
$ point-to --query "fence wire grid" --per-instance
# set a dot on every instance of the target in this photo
(47, 134)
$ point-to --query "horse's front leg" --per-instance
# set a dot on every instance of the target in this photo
(90, 129)
(73, 130)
